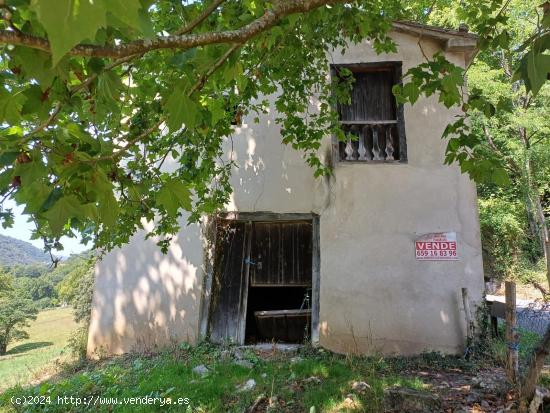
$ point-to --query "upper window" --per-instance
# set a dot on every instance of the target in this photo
(373, 122)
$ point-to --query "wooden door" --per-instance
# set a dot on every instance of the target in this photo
(229, 283)
(281, 254)
(269, 254)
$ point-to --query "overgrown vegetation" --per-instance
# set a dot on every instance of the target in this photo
(509, 126)
(313, 379)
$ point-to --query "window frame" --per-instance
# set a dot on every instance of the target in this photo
(397, 70)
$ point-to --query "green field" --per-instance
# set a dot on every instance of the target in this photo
(35, 358)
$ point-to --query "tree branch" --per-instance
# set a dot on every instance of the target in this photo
(511, 163)
(269, 19)
(207, 12)
(74, 90)
(44, 124)
(197, 86)
(93, 77)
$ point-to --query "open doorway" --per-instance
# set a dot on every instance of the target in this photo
(265, 280)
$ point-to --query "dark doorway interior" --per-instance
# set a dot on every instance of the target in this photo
(279, 293)
(265, 321)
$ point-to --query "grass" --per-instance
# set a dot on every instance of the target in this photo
(32, 358)
(315, 381)
(170, 374)
(528, 341)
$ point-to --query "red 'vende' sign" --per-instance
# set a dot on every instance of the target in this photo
(436, 247)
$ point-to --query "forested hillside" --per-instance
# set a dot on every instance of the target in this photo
(16, 252)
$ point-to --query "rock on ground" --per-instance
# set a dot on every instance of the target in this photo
(360, 386)
(249, 385)
(403, 399)
(201, 370)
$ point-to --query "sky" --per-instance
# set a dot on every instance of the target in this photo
(22, 230)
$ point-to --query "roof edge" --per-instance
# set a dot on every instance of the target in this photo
(450, 40)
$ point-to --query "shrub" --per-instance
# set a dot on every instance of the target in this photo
(503, 228)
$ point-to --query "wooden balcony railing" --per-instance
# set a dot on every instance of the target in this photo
(370, 141)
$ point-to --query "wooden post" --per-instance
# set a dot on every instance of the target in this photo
(512, 337)
(468, 315)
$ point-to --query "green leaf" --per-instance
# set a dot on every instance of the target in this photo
(538, 67)
(65, 209)
(109, 86)
(217, 110)
(7, 158)
(232, 71)
(108, 209)
(30, 171)
(69, 22)
(500, 177)
(35, 195)
(95, 65)
(181, 110)
(126, 11)
(174, 195)
(10, 106)
(411, 91)
(58, 215)
(35, 103)
(36, 65)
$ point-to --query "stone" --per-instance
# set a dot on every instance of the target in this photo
(349, 403)
(473, 397)
(403, 399)
(312, 380)
(360, 386)
(541, 394)
(249, 385)
(201, 370)
(244, 363)
(264, 375)
(491, 381)
(296, 359)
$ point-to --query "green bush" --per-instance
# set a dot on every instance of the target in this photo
(78, 342)
(503, 233)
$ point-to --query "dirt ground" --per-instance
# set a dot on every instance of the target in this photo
(459, 392)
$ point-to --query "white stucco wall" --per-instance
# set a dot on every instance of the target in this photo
(374, 295)
(144, 299)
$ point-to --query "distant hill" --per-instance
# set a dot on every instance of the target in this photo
(16, 252)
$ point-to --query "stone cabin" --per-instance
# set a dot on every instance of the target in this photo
(371, 260)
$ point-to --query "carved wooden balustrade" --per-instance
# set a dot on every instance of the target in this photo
(375, 141)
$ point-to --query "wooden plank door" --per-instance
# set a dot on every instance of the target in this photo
(281, 254)
(230, 282)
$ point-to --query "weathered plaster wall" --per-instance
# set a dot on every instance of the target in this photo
(144, 299)
(374, 295)
(387, 300)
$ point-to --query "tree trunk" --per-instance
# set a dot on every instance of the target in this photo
(536, 364)
(534, 195)
(543, 234)
(3, 348)
(512, 338)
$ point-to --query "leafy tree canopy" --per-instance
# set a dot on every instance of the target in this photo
(15, 313)
(96, 96)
